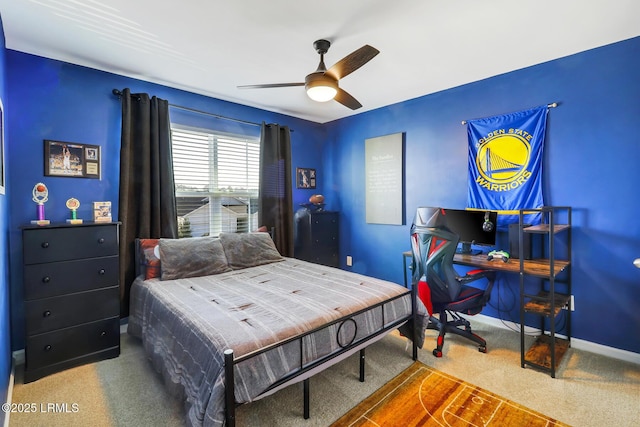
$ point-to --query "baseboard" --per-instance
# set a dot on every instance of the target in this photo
(12, 377)
(603, 350)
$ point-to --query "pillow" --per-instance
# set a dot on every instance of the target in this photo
(249, 249)
(192, 257)
(149, 262)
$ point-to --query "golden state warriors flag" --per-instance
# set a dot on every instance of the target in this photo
(505, 163)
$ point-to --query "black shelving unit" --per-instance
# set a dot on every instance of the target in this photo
(554, 292)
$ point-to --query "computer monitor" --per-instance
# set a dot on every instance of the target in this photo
(468, 225)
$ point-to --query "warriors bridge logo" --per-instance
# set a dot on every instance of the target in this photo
(505, 162)
(502, 160)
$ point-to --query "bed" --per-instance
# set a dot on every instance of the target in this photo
(228, 320)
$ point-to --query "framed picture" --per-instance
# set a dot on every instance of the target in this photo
(71, 159)
(305, 178)
(2, 184)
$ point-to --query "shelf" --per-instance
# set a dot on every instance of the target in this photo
(542, 267)
(544, 228)
(539, 354)
(542, 305)
(548, 350)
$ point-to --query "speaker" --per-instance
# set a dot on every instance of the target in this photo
(514, 242)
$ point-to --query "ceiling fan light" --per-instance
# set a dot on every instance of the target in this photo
(322, 93)
(320, 87)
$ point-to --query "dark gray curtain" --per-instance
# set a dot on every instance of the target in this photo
(275, 206)
(147, 204)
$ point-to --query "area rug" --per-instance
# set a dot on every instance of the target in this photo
(422, 396)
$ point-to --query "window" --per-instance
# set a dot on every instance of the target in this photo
(216, 177)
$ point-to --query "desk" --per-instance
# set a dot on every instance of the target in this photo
(534, 267)
(540, 353)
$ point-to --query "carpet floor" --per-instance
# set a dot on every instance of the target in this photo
(590, 390)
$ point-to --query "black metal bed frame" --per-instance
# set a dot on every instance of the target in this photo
(230, 360)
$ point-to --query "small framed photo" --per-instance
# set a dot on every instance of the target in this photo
(305, 178)
(102, 211)
(71, 159)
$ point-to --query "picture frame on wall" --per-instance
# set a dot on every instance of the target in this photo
(305, 178)
(71, 159)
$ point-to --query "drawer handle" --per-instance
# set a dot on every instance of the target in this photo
(101, 272)
(47, 347)
(101, 240)
(47, 313)
(46, 279)
(45, 245)
(103, 333)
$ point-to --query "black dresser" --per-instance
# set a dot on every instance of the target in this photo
(72, 296)
(316, 237)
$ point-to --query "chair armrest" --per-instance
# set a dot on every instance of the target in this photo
(477, 274)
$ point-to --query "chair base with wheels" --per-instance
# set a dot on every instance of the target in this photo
(448, 320)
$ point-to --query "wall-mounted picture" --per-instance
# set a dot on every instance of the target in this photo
(305, 178)
(71, 159)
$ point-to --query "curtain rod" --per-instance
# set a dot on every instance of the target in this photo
(217, 116)
(118, 93)
(552, 105)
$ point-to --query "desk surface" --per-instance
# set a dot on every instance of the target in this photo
(535, 267)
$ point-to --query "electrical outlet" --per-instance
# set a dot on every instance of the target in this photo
(349, 261)
(573, 305)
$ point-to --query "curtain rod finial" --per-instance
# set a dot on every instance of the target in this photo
(116, 92)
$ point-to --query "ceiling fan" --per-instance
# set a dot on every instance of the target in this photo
(322, 84)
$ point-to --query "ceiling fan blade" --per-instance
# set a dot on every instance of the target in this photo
(272, 85)
(353, 61)
(347, 100)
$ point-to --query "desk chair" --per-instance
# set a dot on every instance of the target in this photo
(439, 286)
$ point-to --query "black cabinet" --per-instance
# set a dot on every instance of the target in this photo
(316, 237)
(72, 296)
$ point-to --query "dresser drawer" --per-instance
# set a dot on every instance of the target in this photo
(64, 344)
(47, 314)
(323, 240)
(62, 244)
(58, 278)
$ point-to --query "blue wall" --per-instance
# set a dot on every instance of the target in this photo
(55, 100)
(590, 163)
(592, 156)
(5, 325)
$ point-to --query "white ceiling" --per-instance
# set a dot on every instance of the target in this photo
(212, 46)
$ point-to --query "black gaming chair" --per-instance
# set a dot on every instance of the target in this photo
(439, 286)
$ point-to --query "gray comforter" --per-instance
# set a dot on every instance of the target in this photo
(186, 324)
